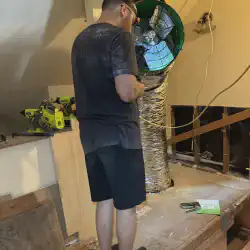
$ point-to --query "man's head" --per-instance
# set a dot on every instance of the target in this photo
(123, 12)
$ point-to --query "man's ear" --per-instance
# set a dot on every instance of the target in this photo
(123, 10)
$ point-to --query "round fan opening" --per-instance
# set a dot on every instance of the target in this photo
(159, 36)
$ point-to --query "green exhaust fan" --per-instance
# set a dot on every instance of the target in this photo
(159, 37)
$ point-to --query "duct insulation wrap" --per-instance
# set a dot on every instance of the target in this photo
(152, 107)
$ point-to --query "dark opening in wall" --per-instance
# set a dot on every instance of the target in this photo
(211, 143)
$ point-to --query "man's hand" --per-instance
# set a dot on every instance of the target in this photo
(128, 88)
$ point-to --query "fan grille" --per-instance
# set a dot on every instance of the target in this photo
(159, 37)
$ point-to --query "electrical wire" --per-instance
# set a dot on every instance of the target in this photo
(210, 54)
(206, 108)
(194, 142)
(183, 6)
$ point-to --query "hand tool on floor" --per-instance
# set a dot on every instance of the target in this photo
(191, 206)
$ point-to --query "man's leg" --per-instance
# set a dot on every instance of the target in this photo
(126, 228)
(125, 171)
(101, 194)
(104, 223)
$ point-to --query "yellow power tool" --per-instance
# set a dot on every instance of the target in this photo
(46, 120)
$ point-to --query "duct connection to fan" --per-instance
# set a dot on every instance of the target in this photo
(159, 38)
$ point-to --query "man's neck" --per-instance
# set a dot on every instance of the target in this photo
(105, 18)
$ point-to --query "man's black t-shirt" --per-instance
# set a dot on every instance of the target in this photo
(100, 53)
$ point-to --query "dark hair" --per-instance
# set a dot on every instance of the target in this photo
(110, 3)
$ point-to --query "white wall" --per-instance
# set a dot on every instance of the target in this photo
(26, 168)
(35, 45)
(230, 58)
(93, 10)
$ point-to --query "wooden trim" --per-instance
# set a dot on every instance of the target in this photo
(18, 206)
(196, 140)
(243, 115)
(226, 145)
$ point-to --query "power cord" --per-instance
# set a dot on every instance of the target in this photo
(206, 108)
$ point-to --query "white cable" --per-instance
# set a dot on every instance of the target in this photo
(206, 69)
(210, 54)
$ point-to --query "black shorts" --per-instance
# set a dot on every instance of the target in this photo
(117, 173)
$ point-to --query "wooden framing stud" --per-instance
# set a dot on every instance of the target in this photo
(249, 168)
(226, 121)
(226, 145)
(173, 133)
(196, 139)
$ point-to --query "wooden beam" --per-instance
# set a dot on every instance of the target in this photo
(173, 134)
(243, 115)
(226, 145)
(249, 168)
(10, 208)
(196, 140)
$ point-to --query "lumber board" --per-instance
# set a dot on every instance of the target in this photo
(167, 226)
(35, 229)
(218, 241)
(196, 140)
(243, 218)
(225, 121)
(226, 146)
(237, 244)
(247, 247)
(202, 236)
(69, 160)
(173, 134)
(10, 208)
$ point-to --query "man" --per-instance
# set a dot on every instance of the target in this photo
(106, 90)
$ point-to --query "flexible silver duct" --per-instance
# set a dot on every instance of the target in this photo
(153, 108)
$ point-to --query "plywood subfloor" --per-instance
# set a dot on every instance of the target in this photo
(35, 229)
(167, 226)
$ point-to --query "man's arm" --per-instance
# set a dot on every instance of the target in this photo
(128, 88)
(124, 67)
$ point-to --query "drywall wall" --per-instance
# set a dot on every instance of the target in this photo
(60, 90)
(230, 58)
(26, 168)
(35, 44)
(93, 10)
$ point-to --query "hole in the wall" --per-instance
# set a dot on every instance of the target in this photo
(211, 143)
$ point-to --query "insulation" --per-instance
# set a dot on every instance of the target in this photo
(153, 108)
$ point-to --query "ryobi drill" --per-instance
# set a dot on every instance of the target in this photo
(67, 107)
